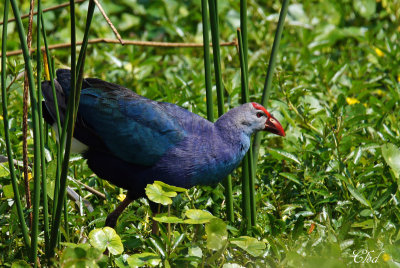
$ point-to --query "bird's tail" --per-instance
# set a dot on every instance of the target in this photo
(63, 87)
(82, 132)
(49, 104)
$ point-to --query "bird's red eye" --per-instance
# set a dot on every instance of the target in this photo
(259, 114)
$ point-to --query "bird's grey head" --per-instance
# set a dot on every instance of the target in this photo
(252, 117)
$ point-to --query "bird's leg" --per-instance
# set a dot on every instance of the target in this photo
(112, 218)
(155, 210)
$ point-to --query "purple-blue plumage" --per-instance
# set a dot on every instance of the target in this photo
(132, 141)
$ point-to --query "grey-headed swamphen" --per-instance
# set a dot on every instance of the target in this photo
(132, 141)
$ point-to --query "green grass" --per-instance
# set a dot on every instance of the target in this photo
(324, 191)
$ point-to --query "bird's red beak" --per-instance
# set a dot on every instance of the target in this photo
(272, 125)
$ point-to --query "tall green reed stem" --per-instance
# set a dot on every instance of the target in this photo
(270, 72)
(243, 30)
(246, 208)
(220, 94)
(207, 67)
(73, 101)
(67, 128)
(36, 133)
(17, 197)
(216, 54)
(245, 68)
(58, 121)
(41, 130)
(82, 54)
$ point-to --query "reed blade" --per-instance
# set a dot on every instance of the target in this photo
(42, 130)
(36, 135)
(207, 63)
(270, 71)
(14, 183)
(246, 204)
(227, 182)
(69, 123)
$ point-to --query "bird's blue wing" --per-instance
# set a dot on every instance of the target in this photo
(133, 128)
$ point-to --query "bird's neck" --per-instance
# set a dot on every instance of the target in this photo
(233, 132)
(231, 125)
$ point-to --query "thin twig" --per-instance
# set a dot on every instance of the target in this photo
(25, 120)
(89, 189)
(15, 78)
(45, 10)
(128, 42)
(79, 200)
(109, 21)
(17, 163)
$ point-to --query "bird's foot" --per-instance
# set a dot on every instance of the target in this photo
(112, 218)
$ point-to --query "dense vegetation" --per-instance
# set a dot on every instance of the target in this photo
(327, 193)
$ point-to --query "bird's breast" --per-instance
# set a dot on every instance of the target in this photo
(203, 160)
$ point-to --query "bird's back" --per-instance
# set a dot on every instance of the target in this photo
(131, 127)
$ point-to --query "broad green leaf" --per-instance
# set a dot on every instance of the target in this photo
(20, 264)
(232, 265)
(217, 234)
(51, 169)
(4, 172)
(384, 198)
(128, 21)
(289, 208)
(339, 73)
(156, 194)
(8, 191)
(391, 153)
(170, 187)
(50, 188)
(365, 8)
(321, 192)
(197, 216)
(358, 156)
(341, 178)
(368, 224)
(346, 243)
(82, 255)
(281, 154)
(250, 244)
(47, 154)
(357, 195)
(304, 213)
(359, 234)
(178, 240)
(167, 219)
(330, 34)
(366, 212)
(195, 251)
(121, 262)
(290, 176)
(144, 259)
(106, 238)
(159, 245)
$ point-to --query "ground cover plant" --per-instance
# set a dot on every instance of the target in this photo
(327, 194)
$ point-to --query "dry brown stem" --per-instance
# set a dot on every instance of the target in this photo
(45, 10)
(25, 121)
(109, 21)
(127, 42)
